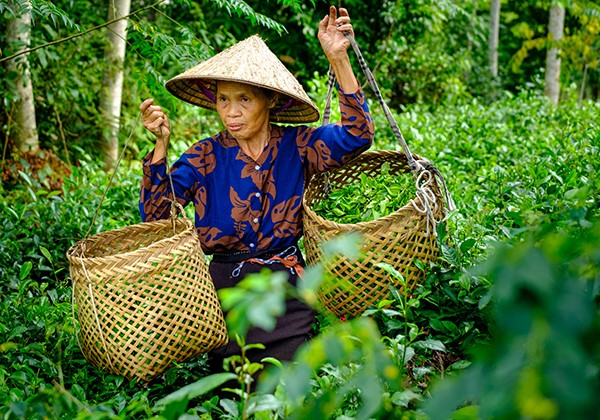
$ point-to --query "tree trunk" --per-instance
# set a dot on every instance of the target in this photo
(110, 99)
(555, 33)
(494, 37)
(24, 133)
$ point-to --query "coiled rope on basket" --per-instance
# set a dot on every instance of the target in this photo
(143, 296)
(398, 239)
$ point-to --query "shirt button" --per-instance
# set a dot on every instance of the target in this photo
(257, 194)
(255, 220)
(257, 167)
(251, 245)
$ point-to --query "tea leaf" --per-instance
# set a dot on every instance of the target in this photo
(46, 253)
(25, 270)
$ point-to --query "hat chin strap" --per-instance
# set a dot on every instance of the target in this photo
(207, 92)
(285, 106)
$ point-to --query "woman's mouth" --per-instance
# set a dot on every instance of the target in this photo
(234, 126)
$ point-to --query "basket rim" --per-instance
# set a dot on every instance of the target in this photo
(99, 259)
(370, 223)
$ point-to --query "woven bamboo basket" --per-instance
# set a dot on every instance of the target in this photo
(397, 239)
(144, 298)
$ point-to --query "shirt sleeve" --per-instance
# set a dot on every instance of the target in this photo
(156, 193)
(332, 145)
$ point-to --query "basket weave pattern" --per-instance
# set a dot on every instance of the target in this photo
(396, 239)
(144, 298)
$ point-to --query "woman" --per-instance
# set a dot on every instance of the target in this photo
(247, 181)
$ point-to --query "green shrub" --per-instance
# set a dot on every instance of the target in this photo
(520, 172)
(36, 221)
(542, 361)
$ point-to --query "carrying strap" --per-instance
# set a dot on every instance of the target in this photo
(174, 204)
(424, 172)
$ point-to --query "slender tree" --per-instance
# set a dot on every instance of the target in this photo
(494, 36)
(110, 99)
(555, 33)
(22, 112)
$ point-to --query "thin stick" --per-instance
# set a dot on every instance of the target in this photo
(112, 176)
(7, 137)
(62, 136)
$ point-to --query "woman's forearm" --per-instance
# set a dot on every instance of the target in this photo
(344, 74)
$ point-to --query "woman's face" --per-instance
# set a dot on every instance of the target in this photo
(244, 110)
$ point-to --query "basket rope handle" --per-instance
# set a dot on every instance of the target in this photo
(413, 164)
(174, 204)
(418, 167)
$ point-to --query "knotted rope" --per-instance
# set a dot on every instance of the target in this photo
(424, 172)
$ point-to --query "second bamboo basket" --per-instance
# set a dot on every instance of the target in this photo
(398, 239)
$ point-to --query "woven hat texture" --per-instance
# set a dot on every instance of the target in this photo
(249, 61)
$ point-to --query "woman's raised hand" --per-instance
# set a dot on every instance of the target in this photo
(331, 33)
(335, 45)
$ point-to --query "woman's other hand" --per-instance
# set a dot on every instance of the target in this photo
(157, 122)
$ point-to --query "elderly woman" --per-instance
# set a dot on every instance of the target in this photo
(247, 181)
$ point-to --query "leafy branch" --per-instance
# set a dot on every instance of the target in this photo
(43, 8)
(79, 34)
(241, 8)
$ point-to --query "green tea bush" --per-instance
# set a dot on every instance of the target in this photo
(542, 361)
(510, 165)
(521, 172)
(39, 355)
(40, 226)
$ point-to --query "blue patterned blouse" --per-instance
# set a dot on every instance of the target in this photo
(242, 204)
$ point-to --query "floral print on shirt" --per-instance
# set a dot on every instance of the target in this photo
(242, 204)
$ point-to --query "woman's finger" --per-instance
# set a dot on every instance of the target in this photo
(332, 15)
(144, 105)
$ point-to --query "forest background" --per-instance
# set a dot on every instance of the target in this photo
(502, 96)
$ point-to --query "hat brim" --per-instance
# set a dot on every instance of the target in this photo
(251, 62)
(194, 90)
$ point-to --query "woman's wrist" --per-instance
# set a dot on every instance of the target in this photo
(344, 74)
(159, 152)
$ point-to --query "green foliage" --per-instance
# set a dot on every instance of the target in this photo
(368, 198)
(68, 77)
(521, 172)
(524, 41)
(429, 48)
(242, 9)
(174, 405)
(511, 165)
(44, 9)
(369, 373)
(256, 301)
(39, 9)
(542, 361)
(39, 226)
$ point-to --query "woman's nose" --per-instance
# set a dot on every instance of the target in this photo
(233, 110)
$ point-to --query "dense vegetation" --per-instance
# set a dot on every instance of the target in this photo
(506, 322)
(521, 267)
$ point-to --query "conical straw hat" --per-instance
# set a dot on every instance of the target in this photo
(252, 62)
